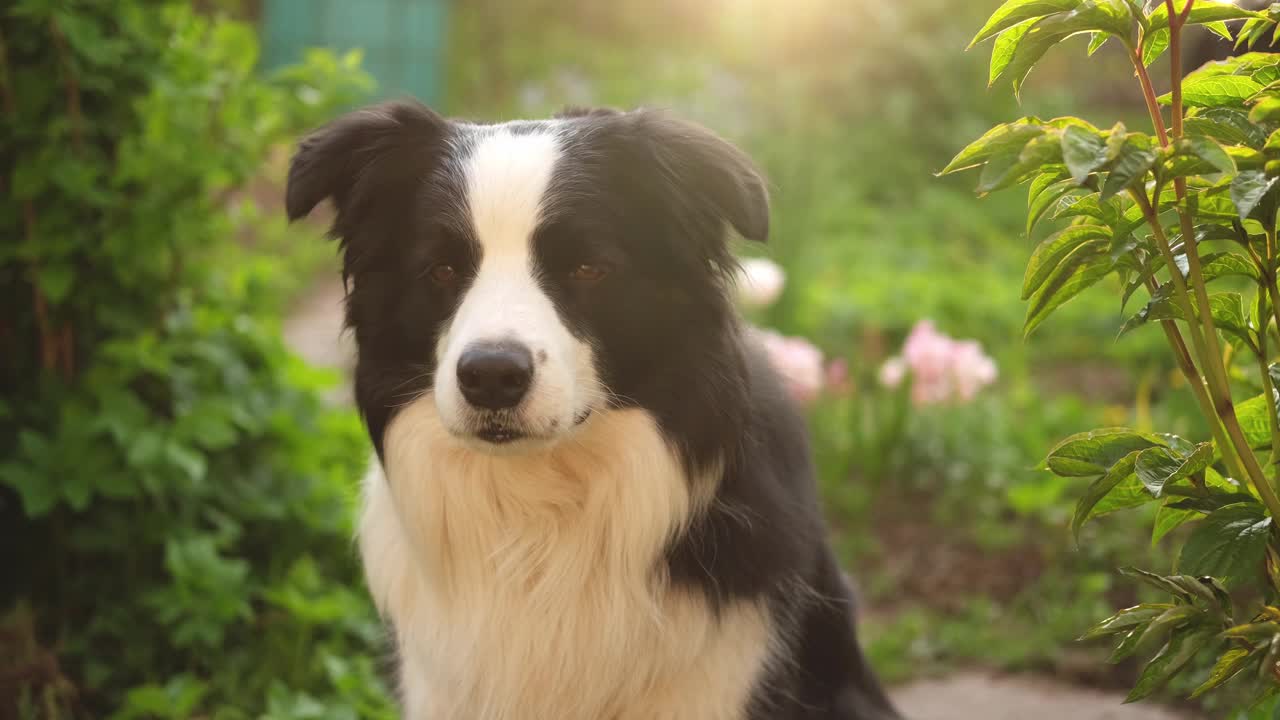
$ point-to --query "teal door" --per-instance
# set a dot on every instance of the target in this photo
(402, 40)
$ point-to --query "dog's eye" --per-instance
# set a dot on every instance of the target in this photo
(443, 274)
(588, 274)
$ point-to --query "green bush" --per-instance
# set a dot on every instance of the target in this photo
(174, 494)
(1168, 213)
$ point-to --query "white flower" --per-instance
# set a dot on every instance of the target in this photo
(760, 282)
(893, 372)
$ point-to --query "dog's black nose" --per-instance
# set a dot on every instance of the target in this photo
(495, 376)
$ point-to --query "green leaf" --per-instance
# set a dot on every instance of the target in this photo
(1095, 452)
(1175, 655)
(1168, 518)
(1220, 29)
(1016, 11)
(1002, 54)
(1099, 489)
(1127, 619)
(1215, 91)
(1228, 666)
(1130, 167)
(1207, 500)
(1128, 645)
(1106, 212)
(1160, 466)
(145, 448)
(996, 172)
(1082, 268)
(1083, 151)
(1248, 189)
(1252, 414)
(1244, 65)
(1211, 152)
(1111, 16)
(1039, 202)
(1227, 311)
(1159, 582)
(1169, 621)
(1267, 75)
(1227, 264)
(1005, 170)
(1130, 493)
(1000, 140)
(1228, 545)
(1096, 41)
(38, 492)
(1154, 46)
(1266, 110)
(55, 281)
(190, 462)
(1049, 254)
(1250, 32)
(1253, 632)
(1230, 126)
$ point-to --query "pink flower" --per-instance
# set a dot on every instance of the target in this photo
(971, 369)
(942, 369)
(799, 362)
(837, 379)
(760, 282)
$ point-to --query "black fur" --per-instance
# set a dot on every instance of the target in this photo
(652, 197)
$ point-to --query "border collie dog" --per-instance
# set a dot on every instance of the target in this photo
(592, 498)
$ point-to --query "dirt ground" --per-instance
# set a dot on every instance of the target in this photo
(314, 331)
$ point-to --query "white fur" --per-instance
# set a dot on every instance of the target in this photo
(532, 586)
(507, 176)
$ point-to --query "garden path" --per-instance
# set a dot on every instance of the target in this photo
(314, 331)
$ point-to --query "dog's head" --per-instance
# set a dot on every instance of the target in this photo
(526, 275)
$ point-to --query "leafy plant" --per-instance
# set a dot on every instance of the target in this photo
(174, 511)
(1169, 214)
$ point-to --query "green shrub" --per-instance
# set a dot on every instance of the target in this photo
(1168, 213)
(174, 495)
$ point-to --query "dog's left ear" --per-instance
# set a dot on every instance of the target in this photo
(348, 158)
(707, 170)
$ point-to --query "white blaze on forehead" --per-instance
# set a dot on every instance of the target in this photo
(507, 176)
(507, 179)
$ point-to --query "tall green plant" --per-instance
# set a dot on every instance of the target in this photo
(1171, 213)
(174, 524)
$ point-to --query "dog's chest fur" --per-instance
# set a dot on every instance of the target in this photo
(531, 586)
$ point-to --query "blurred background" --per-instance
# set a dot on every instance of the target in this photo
(177, 455)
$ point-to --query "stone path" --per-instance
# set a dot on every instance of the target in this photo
(314, 331)
(981, 696)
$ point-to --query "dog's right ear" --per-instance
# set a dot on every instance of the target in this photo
(381, 143)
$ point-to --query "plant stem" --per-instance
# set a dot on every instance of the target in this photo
(1188, 368)
(1218, 389)
(1268, 390)
(1149, 93)
(1211, 352)
(1269, 278)
(1176, 21)
(1213, 359)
